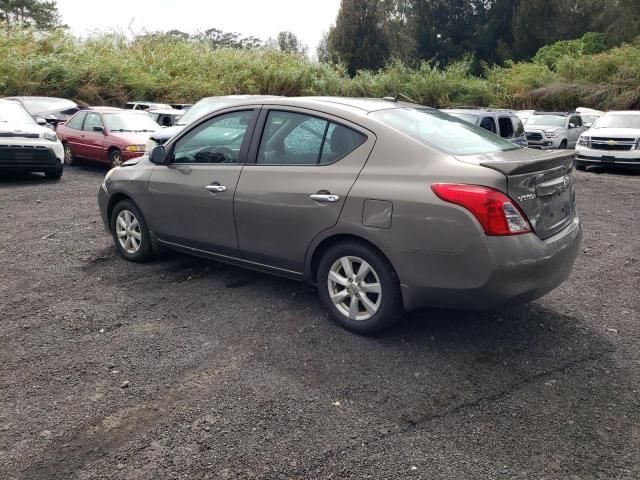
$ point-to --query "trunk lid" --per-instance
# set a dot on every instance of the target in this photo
(540, 183)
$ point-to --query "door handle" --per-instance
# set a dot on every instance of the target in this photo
(324, 197)
(216, 188)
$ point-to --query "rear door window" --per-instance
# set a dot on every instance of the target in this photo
(297, 139)
(506, 127)
(488, 123)
(76, 121)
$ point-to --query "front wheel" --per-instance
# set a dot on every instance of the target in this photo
(54, 174)
(563, 145)
(359, 288)
(115, 158)
(130, 232)
(69, 158)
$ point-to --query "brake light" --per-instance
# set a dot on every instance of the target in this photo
(495, 212)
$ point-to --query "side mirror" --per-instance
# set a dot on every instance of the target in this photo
(41, 121)
(98, 129)
(572, 125)
(158, 155)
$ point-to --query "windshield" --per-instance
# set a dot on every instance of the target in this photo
(467, 117)
(202, 108)
(12, 112)
(589, 119)
(442, 131)
(129, 122)
(612, 120)
(37, 105)
(547, 120)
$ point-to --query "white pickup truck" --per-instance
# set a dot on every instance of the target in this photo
(614, 139)
(549, 130)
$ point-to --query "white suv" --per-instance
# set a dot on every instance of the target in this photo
(549, 130)
(613, 140)
(27, 146)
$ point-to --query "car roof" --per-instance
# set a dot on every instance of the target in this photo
(478, 110)
(106, 109)
(40, 99)
(166, 111)
(625, 112)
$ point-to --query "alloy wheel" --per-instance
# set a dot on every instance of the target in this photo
(128, 231)
(355, 288)
(68, 155)
(116, 159)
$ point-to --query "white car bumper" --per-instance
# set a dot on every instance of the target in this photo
(592, 156)
(34, 154)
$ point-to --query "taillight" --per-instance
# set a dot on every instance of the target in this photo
(493, 209)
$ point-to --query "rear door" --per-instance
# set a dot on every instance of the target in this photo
(92, 140)
(304, 165)
(190, 201)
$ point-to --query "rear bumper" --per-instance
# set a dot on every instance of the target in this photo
(588, 156)
(29, 158)
(495, 272)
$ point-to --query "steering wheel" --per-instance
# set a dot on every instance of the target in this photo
(216, 155)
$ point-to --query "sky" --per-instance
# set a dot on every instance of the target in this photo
(259, 18)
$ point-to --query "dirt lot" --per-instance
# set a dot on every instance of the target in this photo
(184, 368)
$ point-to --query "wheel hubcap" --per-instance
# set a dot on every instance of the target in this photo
(128, 231)
(117, 160)
(67, 154)
(354, 288)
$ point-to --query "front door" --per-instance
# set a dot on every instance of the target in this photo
(190, 201)
(93, 140)
(575, 130)
(302, 171)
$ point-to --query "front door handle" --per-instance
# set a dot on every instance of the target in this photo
(216, 188)
(324, 197)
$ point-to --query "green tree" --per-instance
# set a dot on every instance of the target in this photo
(42, 14)
(289, 42)
(360, 38)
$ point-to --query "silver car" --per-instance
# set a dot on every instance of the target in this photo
(384, 206)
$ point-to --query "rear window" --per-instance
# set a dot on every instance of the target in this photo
(442, 131)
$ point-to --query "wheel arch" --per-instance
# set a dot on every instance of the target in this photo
(324, 244)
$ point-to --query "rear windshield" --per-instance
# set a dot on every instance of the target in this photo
(612, 120)
(442, 131)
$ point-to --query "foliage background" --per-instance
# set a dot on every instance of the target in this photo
(112, 69)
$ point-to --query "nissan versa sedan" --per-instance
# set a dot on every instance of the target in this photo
(384, 206)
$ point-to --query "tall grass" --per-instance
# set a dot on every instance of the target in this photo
(113, 69)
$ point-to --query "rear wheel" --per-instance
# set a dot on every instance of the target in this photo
(130, 232)
(115, 158)
(359, 288)
(69, 158)
(54, 174)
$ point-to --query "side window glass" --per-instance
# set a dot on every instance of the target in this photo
(76, 121)
(506, 127)
(518, 126)
(93, 120)
(488, 123)
(578, 121)
(216, 141)
(292, 139)
(340, 141)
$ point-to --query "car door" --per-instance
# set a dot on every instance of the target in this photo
(73, 133)
(92, 139)
(295, 183)
(190, 201)
(576, 131)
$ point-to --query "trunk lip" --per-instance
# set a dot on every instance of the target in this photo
(532, 165)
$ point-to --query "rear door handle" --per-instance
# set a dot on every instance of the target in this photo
(324, 197)
(216, 188)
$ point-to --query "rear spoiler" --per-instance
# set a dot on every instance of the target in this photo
(516, 167)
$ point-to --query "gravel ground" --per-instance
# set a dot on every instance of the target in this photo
(184, 368)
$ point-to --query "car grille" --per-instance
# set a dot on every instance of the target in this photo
(16, 155)
(534, 136)
(18, 135)
(612, 144)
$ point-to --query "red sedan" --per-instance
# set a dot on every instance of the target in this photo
(105, 135)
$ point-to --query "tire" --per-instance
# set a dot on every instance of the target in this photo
(69, 157)
(581, 166)
(55, 174)
(130, 232)
(115, 158)
(563, 145)
(385, 308)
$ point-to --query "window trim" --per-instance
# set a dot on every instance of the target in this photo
(246, 141)
(82, 113)
(252, 157)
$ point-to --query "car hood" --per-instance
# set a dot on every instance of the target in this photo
(613, 132)
(22, 130)
(131, 138)
(541, 128)
(164, 134)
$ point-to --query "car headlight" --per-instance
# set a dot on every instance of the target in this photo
(551, 134)
(51, 136)
(135, 148)
(584, 141)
